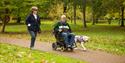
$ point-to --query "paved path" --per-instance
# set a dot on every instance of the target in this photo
(88, 56)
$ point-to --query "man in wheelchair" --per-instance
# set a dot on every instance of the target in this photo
(63, 30)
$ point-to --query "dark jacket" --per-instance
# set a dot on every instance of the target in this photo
(62, 26)
(34, 23)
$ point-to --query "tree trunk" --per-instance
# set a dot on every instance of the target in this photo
(93, 14)
(5, 19)
(93, 19)
(74, 11)
(97, 20)
(64, 7)
(119, 23)
(84, 14)
(18, 16)
(109, 21)
(64, 11)
(122, 17)
(71, 19)
(18, 19)
(3, 26)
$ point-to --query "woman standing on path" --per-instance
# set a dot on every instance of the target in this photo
(33, 25)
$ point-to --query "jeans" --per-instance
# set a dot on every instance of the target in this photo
(68, 38)
(33, 35)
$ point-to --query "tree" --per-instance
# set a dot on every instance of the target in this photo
(122, 16)
(74, 3)
(118, 6)
(122, 13)
(19, 5)
(96, 9)
(6, 8)
(5, 15)
(84, 13)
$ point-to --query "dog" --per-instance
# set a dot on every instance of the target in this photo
(82, 40)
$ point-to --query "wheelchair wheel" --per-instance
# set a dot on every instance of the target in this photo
(71, 49)
(62, 49)
(54, 46)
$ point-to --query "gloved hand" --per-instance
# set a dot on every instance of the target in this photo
(60, 30)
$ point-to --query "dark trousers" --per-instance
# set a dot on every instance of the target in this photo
(68, 38)
(33, 35)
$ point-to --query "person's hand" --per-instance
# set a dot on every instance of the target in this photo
(39, 31)
(29, 24)
(60, 30)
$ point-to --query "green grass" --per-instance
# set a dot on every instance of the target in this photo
(16, 54)
(104, 37)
